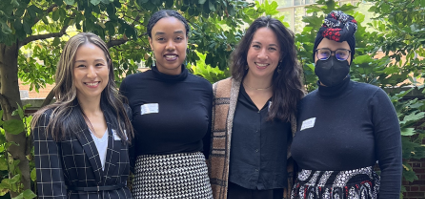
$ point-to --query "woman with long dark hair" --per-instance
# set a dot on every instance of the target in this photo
(254, 114)
(171, 114)
(81, 141)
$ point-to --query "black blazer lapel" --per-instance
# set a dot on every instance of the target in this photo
(114, 147)
(86, 141)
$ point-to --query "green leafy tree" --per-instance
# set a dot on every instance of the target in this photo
(400, 36)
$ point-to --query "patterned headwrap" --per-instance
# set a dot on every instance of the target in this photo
(339, 27)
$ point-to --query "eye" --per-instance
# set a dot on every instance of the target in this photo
(256, 46)
(100, 64)
(81, 66)
(179, 38)
(272, 49)
(160, 39)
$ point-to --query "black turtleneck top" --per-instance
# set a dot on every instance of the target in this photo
(171, 113)
(349, 126)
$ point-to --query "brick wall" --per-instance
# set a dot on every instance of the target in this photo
(416, 189)
(26, 93)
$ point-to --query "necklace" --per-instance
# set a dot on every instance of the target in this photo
(258, 89)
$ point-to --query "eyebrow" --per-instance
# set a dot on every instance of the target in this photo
(269, 45)
(175, 32)
(86, 61)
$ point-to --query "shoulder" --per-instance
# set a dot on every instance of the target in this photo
(368, 90)
(310, 96)
(136, 77)
(199, 80)
(224, 83)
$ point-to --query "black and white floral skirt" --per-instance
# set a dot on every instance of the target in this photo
(181, 175)
(362, 183)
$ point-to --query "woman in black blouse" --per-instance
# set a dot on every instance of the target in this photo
(171, 114)
(253, 114)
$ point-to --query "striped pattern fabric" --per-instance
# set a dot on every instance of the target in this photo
(224, 105)
(179, 175)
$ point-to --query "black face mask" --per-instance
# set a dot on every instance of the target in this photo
(331, 71)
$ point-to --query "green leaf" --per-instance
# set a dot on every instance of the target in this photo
(28, 194)
(33, 175)
(169, 3)
(201, 1)
(13, 126)
(20, 111)
(407, 131)
(55, 15)
(69, 2)
(27, 27)
(413, 117)
(56, 41)
(20, 196)
(17, 24)
(212, 6)
(5, 28)
(95, 2)
(15, 179)
(3, 164)
(1, 118)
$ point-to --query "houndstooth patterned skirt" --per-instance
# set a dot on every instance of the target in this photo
(180, 175)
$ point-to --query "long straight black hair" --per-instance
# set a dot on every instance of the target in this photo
(287, 83)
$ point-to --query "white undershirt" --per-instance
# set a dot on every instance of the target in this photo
(102, 146)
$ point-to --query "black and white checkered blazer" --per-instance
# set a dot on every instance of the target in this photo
(76, 162)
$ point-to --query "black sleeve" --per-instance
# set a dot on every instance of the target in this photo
(49, 171)
(388, 145)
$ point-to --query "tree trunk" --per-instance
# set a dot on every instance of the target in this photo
(9, 89)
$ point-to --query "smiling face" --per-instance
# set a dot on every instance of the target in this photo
(169, 44)
(91, 72)
(263, 54)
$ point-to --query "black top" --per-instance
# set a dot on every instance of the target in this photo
(171, 113)
(259, 147)
(355, 125)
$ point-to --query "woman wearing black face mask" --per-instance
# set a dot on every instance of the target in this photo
(345, 127)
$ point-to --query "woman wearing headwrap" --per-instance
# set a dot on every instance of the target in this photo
(345, 127)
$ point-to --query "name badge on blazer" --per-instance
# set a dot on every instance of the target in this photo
(115, 135)
(149, 108)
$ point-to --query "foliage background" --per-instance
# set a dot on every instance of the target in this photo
(33, 33)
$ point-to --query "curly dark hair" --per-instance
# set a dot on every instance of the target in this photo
(288, 88)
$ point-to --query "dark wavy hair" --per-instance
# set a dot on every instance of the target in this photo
(287, 84)
(166, 13)
(65, 116)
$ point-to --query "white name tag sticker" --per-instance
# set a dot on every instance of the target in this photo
(149, 108)
(116, 137)
(308, 123)
(114, 133)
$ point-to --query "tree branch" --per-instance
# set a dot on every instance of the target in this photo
(47, 11)
(44, 36)
(117, 42)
